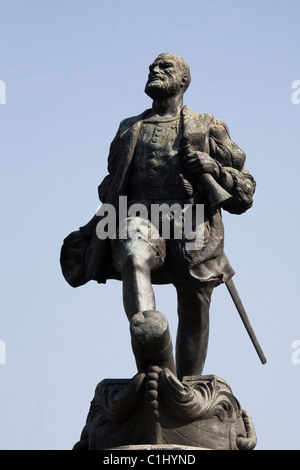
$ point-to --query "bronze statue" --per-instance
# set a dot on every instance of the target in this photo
(173, 158)
(168, 154)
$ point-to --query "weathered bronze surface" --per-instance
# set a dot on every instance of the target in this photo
(168, 154)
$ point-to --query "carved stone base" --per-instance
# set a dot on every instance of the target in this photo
(155, 408)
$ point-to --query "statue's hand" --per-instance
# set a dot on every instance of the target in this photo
(201, 162)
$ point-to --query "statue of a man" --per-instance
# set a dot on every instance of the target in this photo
(161, 156)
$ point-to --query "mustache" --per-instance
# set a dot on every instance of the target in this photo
(155, 78)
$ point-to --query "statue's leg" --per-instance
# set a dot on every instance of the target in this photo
(193, 328)
(135, 257)
(138, 294)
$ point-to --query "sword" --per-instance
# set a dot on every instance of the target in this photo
(242, 312)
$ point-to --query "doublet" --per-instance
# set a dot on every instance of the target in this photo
(157, 165)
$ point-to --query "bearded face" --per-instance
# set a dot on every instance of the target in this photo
(166, 77)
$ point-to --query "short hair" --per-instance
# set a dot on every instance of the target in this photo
(183, 65)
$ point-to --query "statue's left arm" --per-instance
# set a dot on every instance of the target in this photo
(232, 174)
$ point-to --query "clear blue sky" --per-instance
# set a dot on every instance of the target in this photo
(73, 69)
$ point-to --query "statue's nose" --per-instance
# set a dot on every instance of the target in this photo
(155, 70)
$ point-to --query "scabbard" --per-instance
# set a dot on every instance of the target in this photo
(242, 312)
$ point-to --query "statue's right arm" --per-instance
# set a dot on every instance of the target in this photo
(114, 153)
(111, 167)
(87, 229)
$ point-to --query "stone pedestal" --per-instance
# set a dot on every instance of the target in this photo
(156, 409)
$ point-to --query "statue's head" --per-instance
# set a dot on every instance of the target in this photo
(169, 75)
